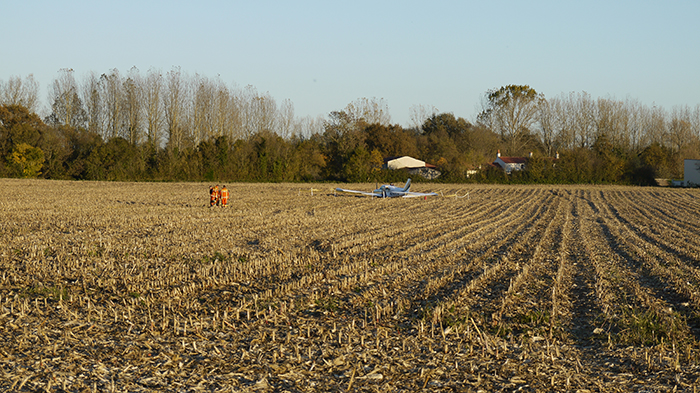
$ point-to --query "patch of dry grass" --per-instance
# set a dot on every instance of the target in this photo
(142, 287)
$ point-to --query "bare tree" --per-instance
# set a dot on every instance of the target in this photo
(549, 126)
(237, 114)
(653, 125)
(174, 109)
(679, 128)
(582, 112)
(695, 121)
(563, 120)
(113, 98)
(613, 122)
(370, 111)
(152, 90)
(265, 109)
(309, 126)
(287, 124)
(66, 104)
(635, 130)
(245, 100)
(133, 106)
(92, 97)
(222, 111)
(20, 92)
(259, 111)
(203, 108)
(420, 113)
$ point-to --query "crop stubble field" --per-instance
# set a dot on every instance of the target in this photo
(142, 287)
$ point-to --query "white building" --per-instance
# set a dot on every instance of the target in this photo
(691, 173)
(510, 164)
(404, 162)
(414, 166)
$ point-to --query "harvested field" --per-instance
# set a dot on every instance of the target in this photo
(141, 287)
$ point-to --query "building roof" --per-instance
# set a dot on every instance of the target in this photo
(510, 163)
(513, 160)
(404, 162)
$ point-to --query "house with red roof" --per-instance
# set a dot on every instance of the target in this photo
(510, 164)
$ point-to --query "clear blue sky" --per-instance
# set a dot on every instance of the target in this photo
(323, 55)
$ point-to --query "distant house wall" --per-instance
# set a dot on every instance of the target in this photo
(510, 164)
(691, 173)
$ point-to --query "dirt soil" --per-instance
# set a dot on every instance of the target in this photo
(135, 287)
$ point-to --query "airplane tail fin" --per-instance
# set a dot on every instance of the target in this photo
(407, 186)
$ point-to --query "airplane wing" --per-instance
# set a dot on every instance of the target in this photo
(410, 194)
(357, 192)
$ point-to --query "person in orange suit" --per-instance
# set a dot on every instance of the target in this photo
(214, 195)
(224, 196)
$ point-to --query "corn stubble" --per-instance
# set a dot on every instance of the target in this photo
(142, 287)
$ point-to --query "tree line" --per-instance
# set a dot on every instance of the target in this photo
(176, 127)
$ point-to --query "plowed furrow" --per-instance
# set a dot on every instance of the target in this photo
(477, 292)
(529, 300)
(373, 266)
(667, 236)
(451, 276)
(612, 284)
(666, 209)
(412, 265)
(644, 287)
(576, 306)
(642, 250)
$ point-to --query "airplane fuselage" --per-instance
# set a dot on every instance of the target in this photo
(389, 191)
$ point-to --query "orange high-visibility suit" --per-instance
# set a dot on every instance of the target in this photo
(224, 196)
(213, 196)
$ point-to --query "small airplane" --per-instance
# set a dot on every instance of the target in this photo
(391, 191)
